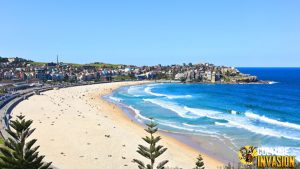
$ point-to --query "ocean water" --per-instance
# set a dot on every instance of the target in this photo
(237, 114)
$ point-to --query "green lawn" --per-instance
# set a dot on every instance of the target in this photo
(37, 63)
(1, 141)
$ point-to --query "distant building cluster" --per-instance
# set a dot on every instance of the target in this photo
(17, 69)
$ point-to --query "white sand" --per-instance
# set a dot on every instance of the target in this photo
(71, 125)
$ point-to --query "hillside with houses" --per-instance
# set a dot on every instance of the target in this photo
(16, 69)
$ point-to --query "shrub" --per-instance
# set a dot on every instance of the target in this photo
(153, 151)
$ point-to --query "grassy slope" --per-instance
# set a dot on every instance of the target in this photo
(99, 65)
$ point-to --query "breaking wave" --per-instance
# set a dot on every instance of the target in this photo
(176, 126)
(138, 114)
(171, 106)
(115, 99)
(232, 120)
(148, 90)
(257, 130)
(272, 121)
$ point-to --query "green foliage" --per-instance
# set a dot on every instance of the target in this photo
(37, 63)
(104, 65)
(199, 163)
(19, 153)
(123, 77)
(153, 151)
(2, 91)
(3, 59)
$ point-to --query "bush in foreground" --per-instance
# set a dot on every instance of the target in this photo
(153, 151)
(18, 153)
(199, 163)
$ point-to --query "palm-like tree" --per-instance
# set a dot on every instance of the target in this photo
(153, 151)
(199, 163)
(19, 153)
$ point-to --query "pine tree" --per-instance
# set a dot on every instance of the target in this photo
(153, 151)
(19, 153)
(199, 163)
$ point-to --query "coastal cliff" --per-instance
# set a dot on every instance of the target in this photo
(213, 74)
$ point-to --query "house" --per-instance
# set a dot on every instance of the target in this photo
(10, 60)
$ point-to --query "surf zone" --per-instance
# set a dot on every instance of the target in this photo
(276, 161)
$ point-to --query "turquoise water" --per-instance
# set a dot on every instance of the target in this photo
(246, 114)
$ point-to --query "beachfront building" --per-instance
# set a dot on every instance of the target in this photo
(18, 69)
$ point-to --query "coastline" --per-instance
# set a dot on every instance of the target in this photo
(217, 148)
(200, 143)
(71, 125)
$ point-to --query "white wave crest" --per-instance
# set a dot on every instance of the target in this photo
(205, 113)
(233, 112)
(148, 90)
(191, 125)
(116, 99)
(135, 90)
(176, 126)
(138, 114)
(272, 82)
(257, 130)
(272, 121)
(171, 106)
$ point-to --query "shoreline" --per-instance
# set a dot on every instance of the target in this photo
(166, 135)
(199, 143)
(71, 125)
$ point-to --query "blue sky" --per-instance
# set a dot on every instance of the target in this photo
(142, 32)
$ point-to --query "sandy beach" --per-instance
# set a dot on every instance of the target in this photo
(77, 129)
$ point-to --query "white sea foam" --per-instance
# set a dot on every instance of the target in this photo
(223, 124)
(238, 122)
(138, 114)
(136, 91)
(272, 121)
(255, 129)
(272, 82)
(233, 112)
(176, 126)
(191, 125)
(116, 99)
(204, 113)
(232, 119)
(171, 106)
(149, 91)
